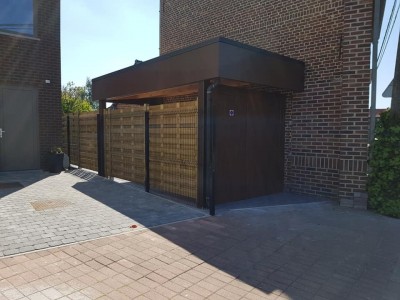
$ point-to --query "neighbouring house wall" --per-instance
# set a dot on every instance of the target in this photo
(28, 62)
(327, 124)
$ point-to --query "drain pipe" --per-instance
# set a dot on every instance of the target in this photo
(375, 43)
(210, 159)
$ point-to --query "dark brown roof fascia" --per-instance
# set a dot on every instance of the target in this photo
(216, 58)
(258, 66)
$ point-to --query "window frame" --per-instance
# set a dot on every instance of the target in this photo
(34, 34)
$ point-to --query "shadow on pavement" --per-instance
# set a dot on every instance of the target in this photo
(315, 250)
(310, 251)
(147, 209)
(11, 182)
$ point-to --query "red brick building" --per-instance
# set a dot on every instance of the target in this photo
(296, 72)
(30, 82)
(326, 129)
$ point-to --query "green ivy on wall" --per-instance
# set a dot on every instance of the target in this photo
(384, 178)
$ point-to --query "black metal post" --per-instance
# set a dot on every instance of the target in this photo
(201, 150)
(100, 145)
(210, 155)
(147, 150)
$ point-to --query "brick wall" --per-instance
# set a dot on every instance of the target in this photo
(30, 61)
(327, 124)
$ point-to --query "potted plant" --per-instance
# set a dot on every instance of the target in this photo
(56, 160)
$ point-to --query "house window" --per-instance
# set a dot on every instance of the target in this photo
(16, 17)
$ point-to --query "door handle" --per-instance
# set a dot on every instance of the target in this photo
(1, 133)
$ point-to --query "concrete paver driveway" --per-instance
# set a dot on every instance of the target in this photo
(38, 210)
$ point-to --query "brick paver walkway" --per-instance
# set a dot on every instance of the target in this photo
(309, 251)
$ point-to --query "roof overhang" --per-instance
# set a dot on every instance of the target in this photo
(387, 93)
(179, 72)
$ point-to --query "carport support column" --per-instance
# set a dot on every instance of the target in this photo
(210, 155)
(201, 149)
(100, 139)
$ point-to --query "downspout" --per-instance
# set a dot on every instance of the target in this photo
(210, 159)
(375, 42)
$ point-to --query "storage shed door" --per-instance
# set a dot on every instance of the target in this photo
(249, 144)
(19, 146)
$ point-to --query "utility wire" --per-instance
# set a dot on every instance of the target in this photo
(388, 32)
(388, 26)
(382, 50)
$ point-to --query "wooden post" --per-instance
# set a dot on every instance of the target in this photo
(79, 140)
(100, 145)
(147, 149)
(69, 137)
(100, 139)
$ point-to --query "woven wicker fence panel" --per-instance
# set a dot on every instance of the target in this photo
(173, 148)
(125, 144)
(88, 140)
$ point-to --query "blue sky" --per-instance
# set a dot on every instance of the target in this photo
(98, 37)
(102, 36)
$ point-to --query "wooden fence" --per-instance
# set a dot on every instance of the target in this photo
(88, 141)
(82, 139)
(173, 148)
(124, 143)
(172, 145)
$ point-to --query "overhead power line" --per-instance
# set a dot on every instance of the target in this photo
(388, 31)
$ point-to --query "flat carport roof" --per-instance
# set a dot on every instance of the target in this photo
(179, 72)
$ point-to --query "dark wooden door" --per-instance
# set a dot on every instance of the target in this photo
(229, 111)
(249, 144)
(264, 144)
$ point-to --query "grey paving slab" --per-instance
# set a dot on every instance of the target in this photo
(52, 210)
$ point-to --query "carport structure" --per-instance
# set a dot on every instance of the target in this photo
(240, 118)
